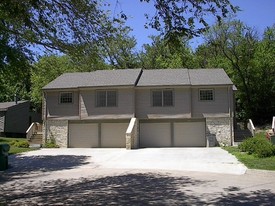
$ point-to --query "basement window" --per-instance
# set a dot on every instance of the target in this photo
(206, 94)
(66, 97)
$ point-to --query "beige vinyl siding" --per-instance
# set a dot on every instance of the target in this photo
(181, 108)
(55, 109)
(125, 104)
(218, 107)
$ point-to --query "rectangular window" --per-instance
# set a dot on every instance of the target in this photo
(157, 98)
(106, 98)
(162, 98)
(66, 97)
(206, 94)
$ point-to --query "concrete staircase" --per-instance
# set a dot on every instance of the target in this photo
(35, 135)
(36, 138)
(240, 134)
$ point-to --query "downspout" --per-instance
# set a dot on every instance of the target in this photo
(229, 93)
(191, 96)
(79, 104)
(45, 115)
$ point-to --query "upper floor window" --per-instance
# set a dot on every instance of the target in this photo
(106, 98)
(206, 94)
(162, 98)
(66, 97)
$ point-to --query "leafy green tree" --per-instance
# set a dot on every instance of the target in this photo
(63, 24)
(119, 49)
(181, 18)
(264, 77)
(57, 24)
(159, 55)
(14, 69)
(236, 47)
(46, 70)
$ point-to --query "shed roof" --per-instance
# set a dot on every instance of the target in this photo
(99, 78)
(4, 106)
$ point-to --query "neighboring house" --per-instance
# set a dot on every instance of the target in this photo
(172, 107)
(14, 118)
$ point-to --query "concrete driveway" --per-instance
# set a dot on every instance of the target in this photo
(214, 160)
(165, 176)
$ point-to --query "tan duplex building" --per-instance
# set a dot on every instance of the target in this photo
(166, 108)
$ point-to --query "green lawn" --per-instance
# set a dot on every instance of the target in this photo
(251, 161)
(14, 149)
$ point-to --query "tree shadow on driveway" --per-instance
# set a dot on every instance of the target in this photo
(20, 165)
(129, 189)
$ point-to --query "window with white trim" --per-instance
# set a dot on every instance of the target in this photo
(163, 98)
(106, 98)
(66, 97)
(206, 94)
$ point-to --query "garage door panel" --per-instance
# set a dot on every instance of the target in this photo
(113, 135)
(83, 135)
(155, 135)
(189, 134)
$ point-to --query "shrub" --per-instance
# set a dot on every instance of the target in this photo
(267, 150)
(14, 142)
(50, 144)
(258, 146)
(22, 144)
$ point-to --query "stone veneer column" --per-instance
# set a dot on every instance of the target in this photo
(218, 131)
(58, 130)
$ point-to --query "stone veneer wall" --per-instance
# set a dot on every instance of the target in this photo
(218, 131)
(57, 129)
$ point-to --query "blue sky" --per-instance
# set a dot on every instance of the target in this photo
(255, 13)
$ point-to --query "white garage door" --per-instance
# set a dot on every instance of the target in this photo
(155, 135)
(83, 135)
(189, 134)
(113, 134)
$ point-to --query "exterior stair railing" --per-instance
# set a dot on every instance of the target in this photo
(273, 124)
(33, 129)
(250, 127)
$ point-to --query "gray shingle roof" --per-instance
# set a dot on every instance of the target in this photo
(209, 77)
(5, 105)
(165, 77)
(129, 77)
(99, 78)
